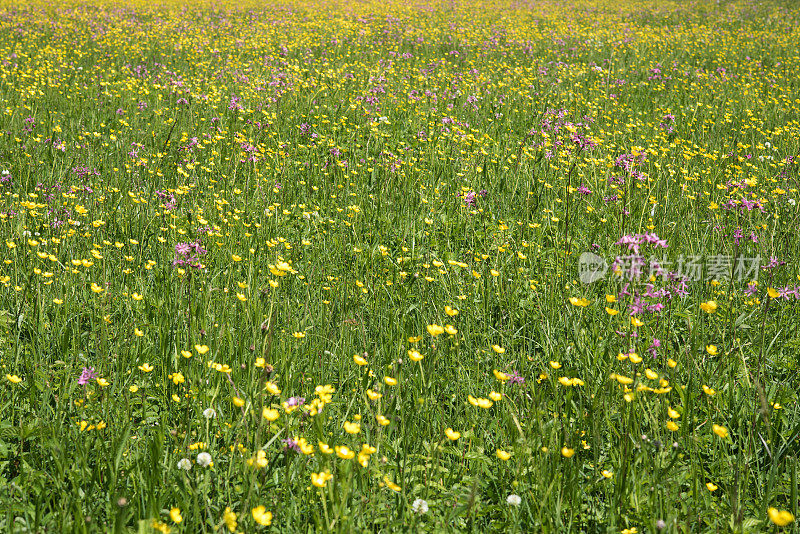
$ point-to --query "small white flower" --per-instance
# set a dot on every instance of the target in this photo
(185, 464)
(419, 506)
(209, 413)
(204, 459)
(514, 499)
(791, 201)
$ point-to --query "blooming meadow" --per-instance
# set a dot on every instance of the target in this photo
(424, 266)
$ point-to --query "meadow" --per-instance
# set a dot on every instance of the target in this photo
(425, 266)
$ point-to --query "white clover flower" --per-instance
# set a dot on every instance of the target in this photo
(514, 499)
(204, 459)
(419, 506)
(185, 464)
(209, 413)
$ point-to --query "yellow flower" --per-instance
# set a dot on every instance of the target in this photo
(434, 329)
(414, 355)
(671, 363)
(234, 257)
(711, 486)
(649, 373)
(137, 332)
(498, 349)
(611, 311)
(352, 428)
(624, 380)
(299, 335)
(450, 329)
(672, 413)
(450, 311)
(721, 431)
(305, 447)
(389, 381)
(14, 379)
(708, 391)
(343, 452)
(134, 388)
(636, 322)
(229, 517)
(272, 388)
(555, 365)
(270, 414)
(452, 434)
(611, 299)
(582, 302)
(773, 294)
(480, 403)
(373, 396)
(780, 517)
(391, 485)
(145, 368)
(201, 349)
(325, 448)
(103, 382)
(709, 307)
(260, 459)
(711, 349)
(261, 516)
(360, 360)
(495, 396)
(672, 426)
(503, 455)
(566, 452)
(238, 402)
(502, 377)
(607, 474)
(382, 420)
(175, 515)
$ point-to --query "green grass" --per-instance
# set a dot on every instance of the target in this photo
(322, 155)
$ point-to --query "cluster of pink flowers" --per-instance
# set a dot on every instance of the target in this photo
(189, 254)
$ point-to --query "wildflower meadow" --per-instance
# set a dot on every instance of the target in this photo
(384, 266)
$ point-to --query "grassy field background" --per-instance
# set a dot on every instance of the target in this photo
(322, 266)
